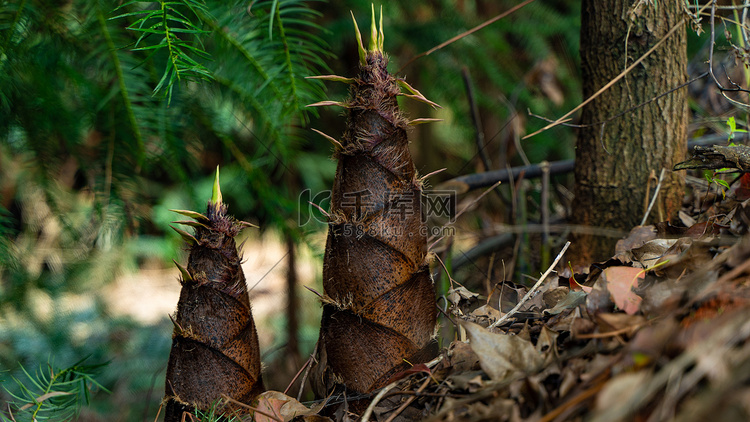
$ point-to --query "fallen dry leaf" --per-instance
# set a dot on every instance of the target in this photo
(627, 324)
(570, 301)
(455, 296)
(620, 388)
(502, 355)
(650, 253)
(620, 282)
(462, 357)
(637, 237)
(546, 345)
(553, 296)
(280, 406)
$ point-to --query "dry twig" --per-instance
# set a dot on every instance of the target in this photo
(532, 290)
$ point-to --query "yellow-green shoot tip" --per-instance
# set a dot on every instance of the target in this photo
(216, 194)
(377, 37)
(360, 46)
(373, 31)
(381, 35)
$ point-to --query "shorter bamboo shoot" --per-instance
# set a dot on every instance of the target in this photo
(214, 344)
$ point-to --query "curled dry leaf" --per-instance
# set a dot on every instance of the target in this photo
(649, 253)
(455, 296)
(486, 311)
(619, 322)
(546, 345)
(501, 355)
(274, 406)
(553, 296)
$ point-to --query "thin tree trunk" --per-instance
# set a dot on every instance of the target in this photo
(614, 161)
(292, 303)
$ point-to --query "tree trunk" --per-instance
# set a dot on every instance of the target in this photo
(292, 305)
(614, 161)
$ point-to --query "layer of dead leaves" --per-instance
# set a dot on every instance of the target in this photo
(658, 332)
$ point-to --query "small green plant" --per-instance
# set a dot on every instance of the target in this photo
(721, 184)
(214, 414)
(732, 130)
(51, 393)
(710, 175)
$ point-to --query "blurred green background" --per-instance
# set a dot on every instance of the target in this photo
(92, 158)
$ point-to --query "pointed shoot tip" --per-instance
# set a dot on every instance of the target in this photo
(360, 46)
(381, 35)
(216, 194)
(373, 31)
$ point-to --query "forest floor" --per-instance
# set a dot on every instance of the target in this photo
(658, 332)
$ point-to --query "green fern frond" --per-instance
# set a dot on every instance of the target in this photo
(170, 26)
(53, 394)
(281, 58)
(122, 85)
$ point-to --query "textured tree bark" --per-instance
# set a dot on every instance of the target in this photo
(614, 161)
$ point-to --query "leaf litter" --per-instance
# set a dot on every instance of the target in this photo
(661, 331)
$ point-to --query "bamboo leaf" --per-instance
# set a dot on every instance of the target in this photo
(415, 94)
(360, 46)
(246, 224)
(331, 139)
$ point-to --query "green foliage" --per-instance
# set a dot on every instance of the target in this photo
(51, 393)
(733, 129)
(91, 158)
(721, 184)
(169, 24)
(88, 150)
(70, 327)
(213, 414)
(710, 175)
(82, 99)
